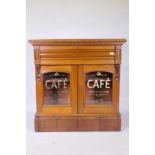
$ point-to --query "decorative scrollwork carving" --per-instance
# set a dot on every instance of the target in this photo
(117, 72)
(37, 72)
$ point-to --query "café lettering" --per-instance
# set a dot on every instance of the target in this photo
(98, 83)
(51, 84)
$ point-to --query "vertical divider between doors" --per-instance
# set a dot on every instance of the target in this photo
(78, 89)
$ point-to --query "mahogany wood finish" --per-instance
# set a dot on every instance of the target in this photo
(77, 57)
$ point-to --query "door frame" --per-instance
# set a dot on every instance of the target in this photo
(58, 109)
(100, 109)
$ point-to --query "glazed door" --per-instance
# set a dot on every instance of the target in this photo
(97, 89)
(57, 90)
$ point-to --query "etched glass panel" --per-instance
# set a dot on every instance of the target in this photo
(98, 88)
(56, 88)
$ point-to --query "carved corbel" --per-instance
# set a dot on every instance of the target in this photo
(38, 72)
(117, 71)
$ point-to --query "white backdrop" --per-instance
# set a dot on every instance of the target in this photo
(77, 19)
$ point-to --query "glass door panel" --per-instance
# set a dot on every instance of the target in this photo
(96, 89)
(59, 89)
(56, 88)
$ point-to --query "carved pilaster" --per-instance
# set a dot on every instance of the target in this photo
(37, 72)
(37, 54)
(117, 71)
(118, 54)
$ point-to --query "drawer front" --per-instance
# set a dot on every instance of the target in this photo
(76, 51)
(76, 54)
(60, 55)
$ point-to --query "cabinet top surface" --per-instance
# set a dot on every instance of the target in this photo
(72, 42)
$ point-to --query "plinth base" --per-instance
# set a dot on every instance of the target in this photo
(77, 122)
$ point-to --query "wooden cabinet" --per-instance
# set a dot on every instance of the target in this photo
(77, 84)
